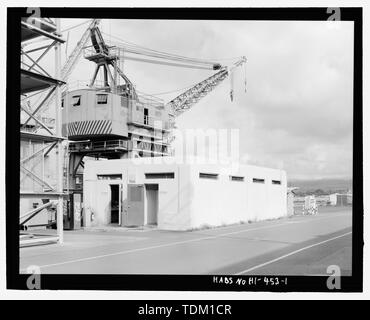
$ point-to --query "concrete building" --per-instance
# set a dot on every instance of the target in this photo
(340, 199)
(158, 191)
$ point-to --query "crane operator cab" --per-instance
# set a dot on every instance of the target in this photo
(98, 118)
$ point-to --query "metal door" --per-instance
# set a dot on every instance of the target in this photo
(135, 205)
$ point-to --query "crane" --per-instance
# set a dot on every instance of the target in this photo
(178, 104)
(107, 57)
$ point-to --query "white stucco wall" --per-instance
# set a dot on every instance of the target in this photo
(188, 202)
(223, 201)
(173, 194)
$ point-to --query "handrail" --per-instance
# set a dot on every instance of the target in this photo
(92, 145)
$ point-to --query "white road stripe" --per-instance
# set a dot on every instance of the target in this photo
(154, 247)
(290, 254)
(166, 245)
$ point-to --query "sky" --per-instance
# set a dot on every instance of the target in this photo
(297, 112)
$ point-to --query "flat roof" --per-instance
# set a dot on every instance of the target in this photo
(31, 81)
(37, 27)
(190, 161)
(40, 137)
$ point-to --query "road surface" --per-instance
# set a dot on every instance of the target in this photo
(302, 245)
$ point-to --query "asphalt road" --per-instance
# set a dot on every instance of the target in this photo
(302, 245)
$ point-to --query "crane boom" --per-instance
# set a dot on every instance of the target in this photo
(77, 51)
(191, 96)
(73, 59)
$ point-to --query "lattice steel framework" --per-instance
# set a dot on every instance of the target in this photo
(39, 36)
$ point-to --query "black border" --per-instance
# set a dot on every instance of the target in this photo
(170, 282)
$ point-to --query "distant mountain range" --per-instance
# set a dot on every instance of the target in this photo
(321, 186)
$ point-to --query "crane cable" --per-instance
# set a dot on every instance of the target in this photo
(137, 49)
(149, 53)
(141, 49)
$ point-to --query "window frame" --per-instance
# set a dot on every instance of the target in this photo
(159, 175)
(113, 176)
(101, 95)
(209, 176)
(237, 178)
(258, 180)
(74, 102)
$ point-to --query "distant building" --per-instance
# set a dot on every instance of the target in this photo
(323, 200)
(340, 199)
(290, 200)
(349, 197)
(333, 199)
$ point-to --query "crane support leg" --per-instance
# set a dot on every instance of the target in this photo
(75, 160)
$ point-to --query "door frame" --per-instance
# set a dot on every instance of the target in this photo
(120, 188)
(146, 203)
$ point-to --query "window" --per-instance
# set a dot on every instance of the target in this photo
(276, 182)
(236, 178)
(213, 176)
(62, 103)
(146, 116)
(109, 176)
(76, 101)
(102, 98)
(160, 175)
(256, 180)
